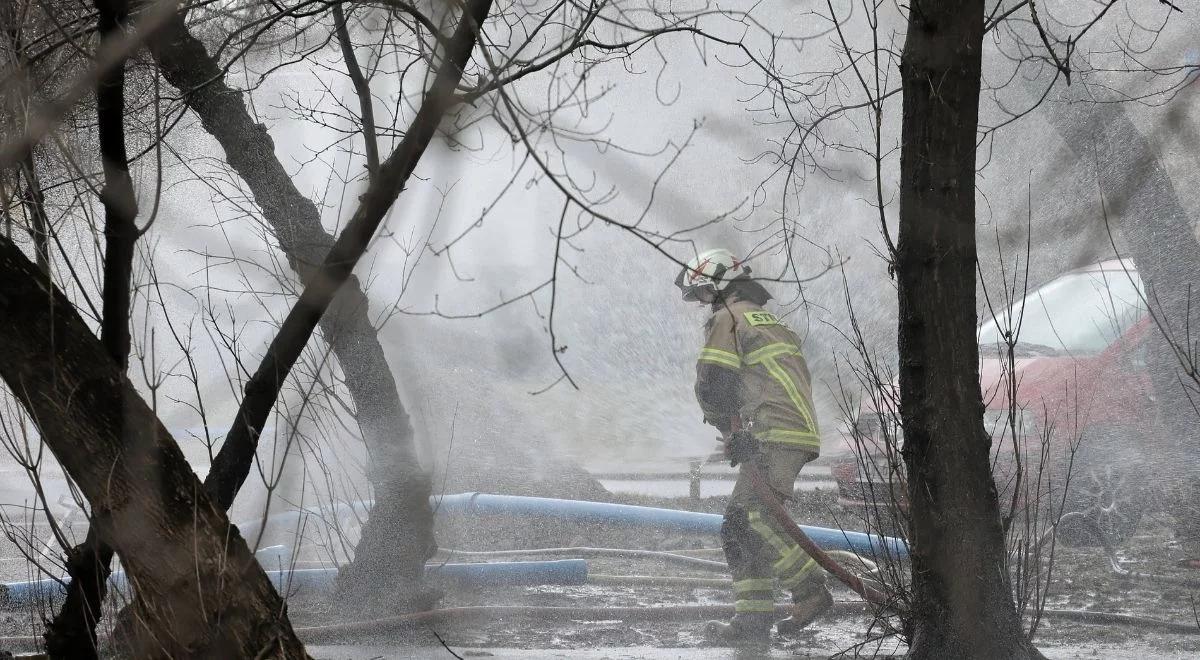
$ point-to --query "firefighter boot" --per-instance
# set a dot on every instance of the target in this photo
(806, 607)
(745, 629)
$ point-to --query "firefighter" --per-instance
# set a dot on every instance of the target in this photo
(753, 385)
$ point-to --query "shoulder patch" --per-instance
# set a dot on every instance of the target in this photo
(761, 318)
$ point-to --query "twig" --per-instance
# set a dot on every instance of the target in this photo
(108, 57)
(444, 644)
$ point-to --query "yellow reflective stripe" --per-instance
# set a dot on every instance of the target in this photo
(785, 563)
(789, 553)
(754, 606)
(770, 351)
(806, 439)
(793, 393)
(798, 576)
(757, 584)
(767, 533)
(723, 358)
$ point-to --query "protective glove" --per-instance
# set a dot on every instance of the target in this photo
(742, 447)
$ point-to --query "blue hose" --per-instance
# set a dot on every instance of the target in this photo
(23, 594)
(511, 573)
(868, 545)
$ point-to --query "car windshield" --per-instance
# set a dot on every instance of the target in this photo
(1077, 314)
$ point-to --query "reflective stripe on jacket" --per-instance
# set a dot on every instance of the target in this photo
(770, 387)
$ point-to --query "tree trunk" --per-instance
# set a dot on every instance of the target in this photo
(1145, 210)
(72, 633)
(401, 487)
(962, 597)
(200, 591)
(34, 201)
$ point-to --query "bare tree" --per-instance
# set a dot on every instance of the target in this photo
(232, 464)
(401, 488)
(962, 594)
(398, 543)
(146, 502)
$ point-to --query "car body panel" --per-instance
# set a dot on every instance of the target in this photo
(1074, 388)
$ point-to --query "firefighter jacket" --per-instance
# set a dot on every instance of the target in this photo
(751, 367)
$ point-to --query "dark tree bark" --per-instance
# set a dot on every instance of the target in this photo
(34, 201)
(401, 488)
(362, 89)
(962, 597)
(233, 461)
(72, 633)
(391, 555)
(398, 538)
(147, 504)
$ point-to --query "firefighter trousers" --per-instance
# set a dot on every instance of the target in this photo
(757, 548)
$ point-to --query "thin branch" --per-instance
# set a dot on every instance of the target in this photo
(108, 57)
(362, 89)
(554, 347)
(232, 463)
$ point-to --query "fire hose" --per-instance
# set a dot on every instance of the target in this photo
(777, 511)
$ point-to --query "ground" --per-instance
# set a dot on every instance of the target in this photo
(1081, 579)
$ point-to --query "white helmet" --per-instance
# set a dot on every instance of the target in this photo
(711, 270)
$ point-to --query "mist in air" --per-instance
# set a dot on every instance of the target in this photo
(501, 427)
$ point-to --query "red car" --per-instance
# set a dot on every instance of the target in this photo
(1082, 388)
